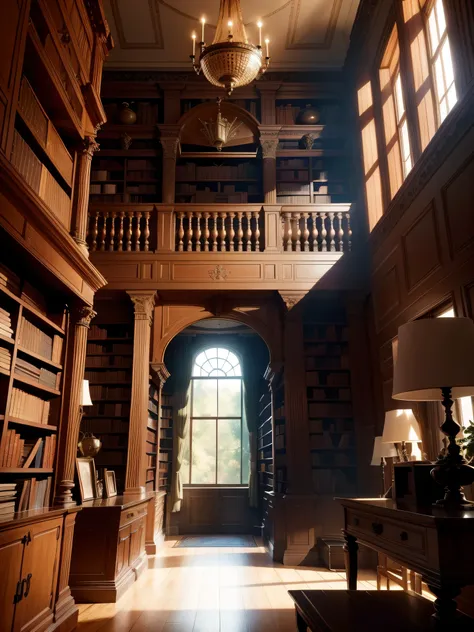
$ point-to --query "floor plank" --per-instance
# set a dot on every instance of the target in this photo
(211, 590)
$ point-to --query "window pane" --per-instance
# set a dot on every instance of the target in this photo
(440, 15)
(222, 353)
(441, 88)
(452, 97)
(245, 454)
(211, 353)
(399, 97)
(204, 398)
(433, 32)
(230, 400)
(447, 63)
(204, 452)
(228, 467)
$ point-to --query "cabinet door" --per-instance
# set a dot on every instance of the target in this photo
(123, 549)
(137, 539)
(11, 556)
(40, 571)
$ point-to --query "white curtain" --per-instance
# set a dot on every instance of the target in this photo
(250, 383)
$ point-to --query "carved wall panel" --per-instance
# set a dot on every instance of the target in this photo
(458, 196)
(386, 289)
(421, 249)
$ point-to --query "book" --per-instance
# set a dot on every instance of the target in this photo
(33, 453)
(25, 495)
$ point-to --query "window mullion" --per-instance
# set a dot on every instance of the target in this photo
(380, 134)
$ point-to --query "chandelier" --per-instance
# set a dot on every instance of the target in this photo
(220, 131)
(230, 61)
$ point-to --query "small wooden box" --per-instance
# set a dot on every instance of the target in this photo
(414, 484)
(331, 552)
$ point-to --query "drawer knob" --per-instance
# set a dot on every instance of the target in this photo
(130, 515)
(377, 528)
(403, 536)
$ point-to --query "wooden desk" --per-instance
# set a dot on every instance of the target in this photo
(368, 611)
(429, 541)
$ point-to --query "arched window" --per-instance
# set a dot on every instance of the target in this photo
(217, 446)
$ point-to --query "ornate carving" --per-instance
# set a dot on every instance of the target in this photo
(307, 141)
(160, 373)
(84, 316)
(269, 147)
(143, 304)
(170, 147)
(90, 146)
(219, 273)
(125, 141)
(292, 298)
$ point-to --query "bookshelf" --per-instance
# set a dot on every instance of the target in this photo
(265, 446)
(152, 439)
(109, 371)
(328, 386)
(279, 421)
(166, 443)
(310, 180)
(32, 333)
(251, 105)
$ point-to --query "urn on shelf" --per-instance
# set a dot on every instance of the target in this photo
(126, 115)
(89, 445)
(308, 116)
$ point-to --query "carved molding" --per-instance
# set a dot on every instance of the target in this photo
(160, 372)
(269, 148)
(291, 298)
(170, 147)
(84, 316)
(90, 146)
(219, 273)
(144, 303)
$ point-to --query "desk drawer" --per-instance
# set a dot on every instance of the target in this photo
(392, 535)
(133, 513)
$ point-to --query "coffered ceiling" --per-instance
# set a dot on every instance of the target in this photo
(304, 34)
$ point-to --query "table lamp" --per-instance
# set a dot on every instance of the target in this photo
(86, 394)
(436, 363)
(381, 452)
(401, 427)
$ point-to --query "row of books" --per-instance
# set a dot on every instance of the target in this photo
(164, 468)
(330, 409)
(109, 409)
(287, 114)
(116, 361)
(293, 164)
(328, 380)
(98, 331)
(332, 482)
(36, 340)
(332, 459)
(328, 441)
(323, 349)
(326, 333)
(151, 436)
(37, 374)
(287, 188)
(107, 376)
(110, 348)
(5, 323)
(114, 441)
(7, 500)
(165, 457)
(296, 175)
(5, 359)
(152, 422)
(336, 426)
(191, 171)
(166, 433)
(9, 279)
(192, 189)
(110, 392)
(151, 460)
(342, 394)
(211, 197)
(166, 400)
(104, 426)
(326, 363)
(35, 494)
(29, 407)
(26, 453)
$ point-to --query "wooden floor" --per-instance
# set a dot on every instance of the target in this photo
(210, 590)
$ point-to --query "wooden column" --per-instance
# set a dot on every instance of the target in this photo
(169, 139)
(269, 149)
(71, 418)
(82, 184)
(172, 101)
(268, 91)
(135, 477)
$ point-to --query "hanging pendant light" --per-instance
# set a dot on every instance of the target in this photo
(230, 61)
(220, 131)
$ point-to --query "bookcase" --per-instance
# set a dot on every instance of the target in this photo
(251, 105)
(32, 332)
(328, 385)
(109, 371)
(152, 439)
(265, 446)
(310, 180)
(279, 424)
(166, 443)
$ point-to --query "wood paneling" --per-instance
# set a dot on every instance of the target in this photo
(421, 248)
(387, 291)
(214, 510)
(458, 196)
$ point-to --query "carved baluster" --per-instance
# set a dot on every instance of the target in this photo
(113, 215)
(248, 231)
(189, 232)
(306, 232)
(348, 232)
(256, 233)
(206, 232)
(340, 233)
(231, 232)
(197, 231)
(120, 232)
(223, 232)
(240, 232)
(146, 231)
(138, 215)
(214, 232)
(288, 232)
(95, 232)
(297, 232)
(315, 232)
(128, 232)
(103, 232)
(180, 231)
(332, 233)
(324, 233)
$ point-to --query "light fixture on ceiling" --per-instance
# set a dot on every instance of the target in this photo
(220, 131)
(230, 61)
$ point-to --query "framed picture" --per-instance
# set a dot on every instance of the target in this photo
(87, 478)
(110, 484)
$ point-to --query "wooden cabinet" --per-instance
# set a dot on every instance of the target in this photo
(108, 552)
(30, 562)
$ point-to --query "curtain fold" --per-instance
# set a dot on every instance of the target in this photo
(251, 381)
(180, 400)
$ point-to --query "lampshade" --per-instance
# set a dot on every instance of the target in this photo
(400, 425)
(434, 353)
(85, 396)
(381, 451)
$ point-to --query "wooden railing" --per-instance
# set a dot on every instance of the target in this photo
(211, 228)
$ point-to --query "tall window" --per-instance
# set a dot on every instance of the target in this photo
(217, 450)
(441, 61)
(397, 139)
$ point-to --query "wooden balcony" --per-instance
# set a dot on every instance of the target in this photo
(201, 246)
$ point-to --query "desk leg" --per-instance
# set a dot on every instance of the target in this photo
(350, 556)
(445, 605)
(300, 623)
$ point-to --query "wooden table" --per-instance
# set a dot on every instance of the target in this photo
(368, 611)
(436, 544)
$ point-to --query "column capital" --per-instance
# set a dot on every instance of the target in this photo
(144, 302)
(291, 298)
(160, 372)
(269, 147)
(83, 316)
(90, 146)
(170, 147)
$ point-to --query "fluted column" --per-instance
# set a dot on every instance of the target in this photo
(135, 478)
(170, 152)
(81, 205)
(71, 419)
(269, 149)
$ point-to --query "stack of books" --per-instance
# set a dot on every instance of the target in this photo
(5, 359)
(5, 323)
(35, 494)
(9, 279)
(7, 500)
(37, 374)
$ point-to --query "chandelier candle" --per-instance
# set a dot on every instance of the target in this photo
(203, 24)
(267, 42)
(259, 24)
(194, 44)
